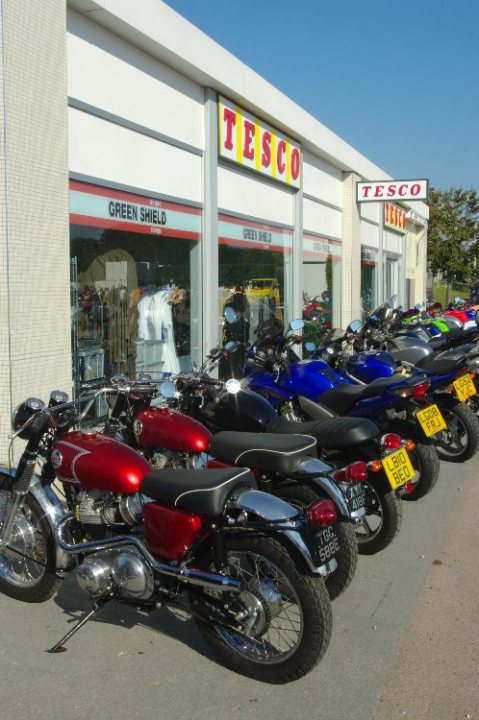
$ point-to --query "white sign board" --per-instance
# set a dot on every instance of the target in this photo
(381, 190)
(250, 142)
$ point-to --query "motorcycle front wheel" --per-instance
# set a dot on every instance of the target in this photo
(28, 559)
(460, 441)
(289, 614)
(383, 517)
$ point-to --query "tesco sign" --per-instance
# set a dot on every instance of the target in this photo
(392, 190)
(248, 141)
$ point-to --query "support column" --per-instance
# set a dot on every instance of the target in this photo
(351, 265)
(210, 223)
(35, 317)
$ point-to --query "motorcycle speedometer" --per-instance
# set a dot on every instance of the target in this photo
(24, 412)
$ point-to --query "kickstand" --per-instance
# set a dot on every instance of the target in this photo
(59, 646)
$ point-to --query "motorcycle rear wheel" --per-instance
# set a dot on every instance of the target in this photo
(460, 442)
(296, 614)
(28, 562)
(347, 558)
(383, 518)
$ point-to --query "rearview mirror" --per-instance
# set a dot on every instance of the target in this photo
(356, 325)
(296, 324)
(233, 386)
(167, 389)
(230, 315)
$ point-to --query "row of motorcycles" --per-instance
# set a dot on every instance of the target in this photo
(241, 493)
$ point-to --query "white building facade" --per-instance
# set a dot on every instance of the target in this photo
(169, 181)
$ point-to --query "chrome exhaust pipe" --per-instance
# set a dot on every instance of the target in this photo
(213, 581)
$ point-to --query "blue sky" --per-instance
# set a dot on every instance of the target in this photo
(397, 80)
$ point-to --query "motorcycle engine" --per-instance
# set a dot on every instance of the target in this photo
(121, 572)
(167, 459)
(100, 513)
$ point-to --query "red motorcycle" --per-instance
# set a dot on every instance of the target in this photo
(242, 563)
(283, 464)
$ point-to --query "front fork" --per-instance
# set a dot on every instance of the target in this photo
(19, 489)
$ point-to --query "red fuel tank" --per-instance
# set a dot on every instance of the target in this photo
(92, 460)
(171, 430)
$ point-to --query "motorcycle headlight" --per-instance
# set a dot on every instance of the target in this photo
(24, 412)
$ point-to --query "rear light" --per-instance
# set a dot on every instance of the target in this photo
(410, 445)
(409, 487)
(321, 513)
(355, 472)
(391, 441)
(421, 389)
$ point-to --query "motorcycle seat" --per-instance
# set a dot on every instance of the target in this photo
(441, 366)
(262, 451)
(453, 336)
(332, 434)
(343, 396)
(203, 492)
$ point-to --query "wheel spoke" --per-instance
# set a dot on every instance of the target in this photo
(283, 619)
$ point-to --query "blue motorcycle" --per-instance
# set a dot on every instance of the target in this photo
(451, 375)
(311, 389)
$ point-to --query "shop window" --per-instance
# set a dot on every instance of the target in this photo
(369, 277)
(254, 279)
(391, 278)
(321, 285)
(135, 284)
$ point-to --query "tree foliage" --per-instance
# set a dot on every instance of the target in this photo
(453, 233)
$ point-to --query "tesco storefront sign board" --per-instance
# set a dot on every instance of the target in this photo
(248, 141)
(392, 190)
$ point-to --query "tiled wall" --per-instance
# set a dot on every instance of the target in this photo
(35, 354)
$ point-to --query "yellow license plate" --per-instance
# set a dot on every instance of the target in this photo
(464, 387)
(431, 420)
(398, 468)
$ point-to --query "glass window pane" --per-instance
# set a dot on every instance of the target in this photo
(321, 285)
(135, 290)
(254, 277)
(369, 278)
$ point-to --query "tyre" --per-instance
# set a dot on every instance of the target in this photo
(347, 557)
(424, 458)
(289, 614)
(28, 561)
(460, 441)
(382, 521)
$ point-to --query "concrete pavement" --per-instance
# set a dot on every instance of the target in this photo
(126, 665)
(436, 671)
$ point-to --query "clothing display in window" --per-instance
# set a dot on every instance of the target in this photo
(155, 331)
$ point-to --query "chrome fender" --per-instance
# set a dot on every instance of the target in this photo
(52, 509)
(316, 469)
(273, 509)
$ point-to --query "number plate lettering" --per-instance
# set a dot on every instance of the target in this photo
(398, 468)
(431, 420)
(327, 544)
(464, 387)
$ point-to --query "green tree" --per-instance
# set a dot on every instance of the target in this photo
(453, 233)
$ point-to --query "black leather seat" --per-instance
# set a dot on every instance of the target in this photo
(332, 434)
(442, 366)
(203, 492)
(343, 396)
(453, 338)
(263, 451)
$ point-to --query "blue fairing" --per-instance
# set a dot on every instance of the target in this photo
(432, 329)
(308, 377)
(367, 367)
